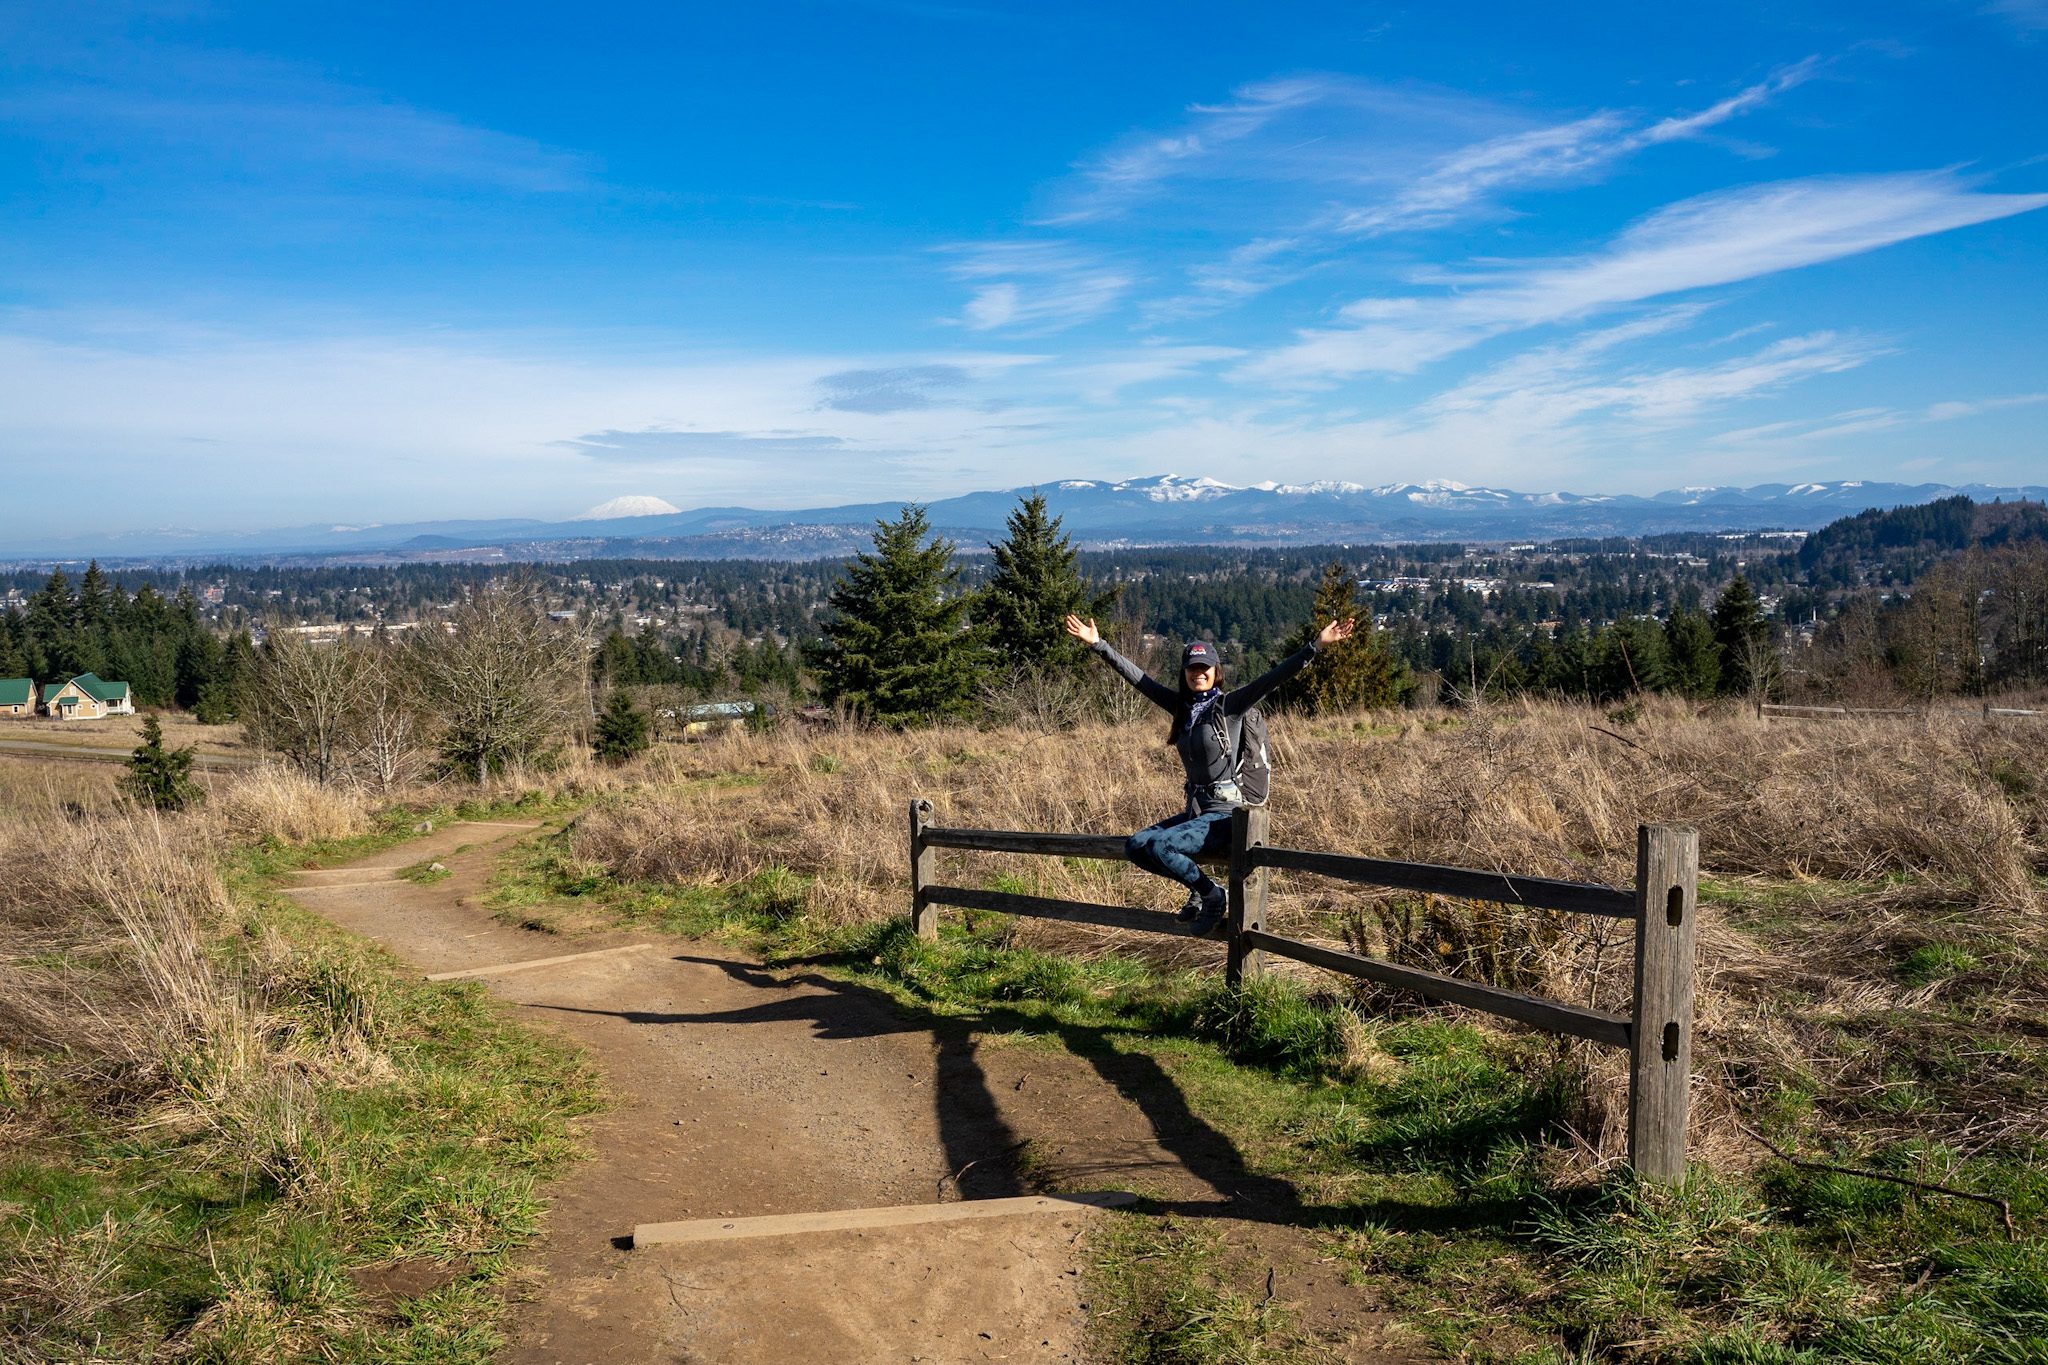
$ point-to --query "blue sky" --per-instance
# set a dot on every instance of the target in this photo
(280, 264)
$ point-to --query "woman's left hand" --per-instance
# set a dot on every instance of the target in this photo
(1337, 630)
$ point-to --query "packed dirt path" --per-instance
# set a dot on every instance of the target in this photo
(737, 1091)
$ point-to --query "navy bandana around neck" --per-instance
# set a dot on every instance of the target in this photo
(1199, 707)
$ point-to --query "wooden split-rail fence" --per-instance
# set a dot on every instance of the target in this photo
(1657, 1031)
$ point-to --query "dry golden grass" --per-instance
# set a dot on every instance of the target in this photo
(105, 915)
(1865, 835)
(125, 732)
(1539, 789)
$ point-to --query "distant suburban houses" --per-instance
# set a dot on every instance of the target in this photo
(85, 697)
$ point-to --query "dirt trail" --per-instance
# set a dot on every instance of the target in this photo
(740, 1091)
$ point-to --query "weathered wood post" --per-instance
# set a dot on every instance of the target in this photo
(924, 866)
(1248, 826)
(1660, 1037)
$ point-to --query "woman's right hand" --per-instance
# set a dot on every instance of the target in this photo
(1084, 631)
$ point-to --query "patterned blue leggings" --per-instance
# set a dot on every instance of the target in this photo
(1169, 848)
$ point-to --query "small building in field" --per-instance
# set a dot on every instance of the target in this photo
(87, 697)
(17, 696)
(688, 722)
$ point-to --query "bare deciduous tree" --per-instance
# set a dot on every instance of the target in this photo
(394, 733)
(305, 699)
(506, 683)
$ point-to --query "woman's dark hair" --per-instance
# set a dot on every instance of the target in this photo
(1185, 700)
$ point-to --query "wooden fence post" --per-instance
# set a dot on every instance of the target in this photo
(924, 866)
(1660, 1036)
(1248, 825)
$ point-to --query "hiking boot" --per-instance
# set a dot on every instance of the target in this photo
(1190, 907)
(1214, 902)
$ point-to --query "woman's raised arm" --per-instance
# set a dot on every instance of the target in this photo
(1155, 691)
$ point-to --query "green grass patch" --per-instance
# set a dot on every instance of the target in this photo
(428, 870)
(395, 1121)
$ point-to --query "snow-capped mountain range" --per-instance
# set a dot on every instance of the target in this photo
(1156, 510)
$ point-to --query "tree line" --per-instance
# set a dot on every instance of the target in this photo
(163, 648)
(907, 641)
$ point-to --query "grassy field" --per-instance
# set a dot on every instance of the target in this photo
(232, 1133)
(1874, 976)
(125, 732)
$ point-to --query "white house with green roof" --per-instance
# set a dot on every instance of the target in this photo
(87, 697)
(17, 696)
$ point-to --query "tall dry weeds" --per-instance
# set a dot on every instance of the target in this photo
(1920, 817)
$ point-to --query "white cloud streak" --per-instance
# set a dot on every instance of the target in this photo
(242, 113)
(1033, 288)
(1715, 239)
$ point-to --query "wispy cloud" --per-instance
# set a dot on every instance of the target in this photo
(1558, 154)
(1334, 160)
(2028, 16)
(1866, 421)
(899, 388)
(1715, 239)
(240, 114)
(661, 446)
(1034, 287)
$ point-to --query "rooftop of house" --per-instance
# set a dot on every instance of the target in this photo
(17, 691)
(94, 686)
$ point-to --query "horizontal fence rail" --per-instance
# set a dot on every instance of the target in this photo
(1657, 1032)
(1549, 1015)
(1463, 883)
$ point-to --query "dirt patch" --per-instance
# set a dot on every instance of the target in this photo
(387, 1287)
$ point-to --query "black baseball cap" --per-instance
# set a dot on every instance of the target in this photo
(1198, 652)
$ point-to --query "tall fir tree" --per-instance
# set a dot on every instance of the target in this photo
(1739, 626)
(95, 600)
(895, 649)
(51, 628)
(1695, 657)
(622, 729)
(1035, 585)
(1360, 672)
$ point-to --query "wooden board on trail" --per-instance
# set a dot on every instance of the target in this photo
(847, 1220)
(530, 963)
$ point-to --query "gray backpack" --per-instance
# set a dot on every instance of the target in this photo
(1254, 759)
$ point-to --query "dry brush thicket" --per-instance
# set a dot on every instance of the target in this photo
(104, 925)
(1865, 839)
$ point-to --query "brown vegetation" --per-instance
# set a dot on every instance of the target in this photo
(1832, 851)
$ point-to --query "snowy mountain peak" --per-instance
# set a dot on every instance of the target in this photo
(1176, 488)
(1320, 486)
(632, 505)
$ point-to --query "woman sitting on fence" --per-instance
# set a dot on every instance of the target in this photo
(1208, 733)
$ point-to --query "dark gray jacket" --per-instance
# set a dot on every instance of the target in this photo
(1202, 748)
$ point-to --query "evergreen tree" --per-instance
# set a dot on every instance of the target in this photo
(615, 665)
(1032, 589)
(1695, 655)
(1360, 671)
(1569, 671)
(894, 648)
(1629, 657)
(52, 618)
(95, 601)
(1739, 627)
(158, 776)
(621, 729)
(13, 657)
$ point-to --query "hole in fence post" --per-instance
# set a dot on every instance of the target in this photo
(1674, 906)
(1671, 1042)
